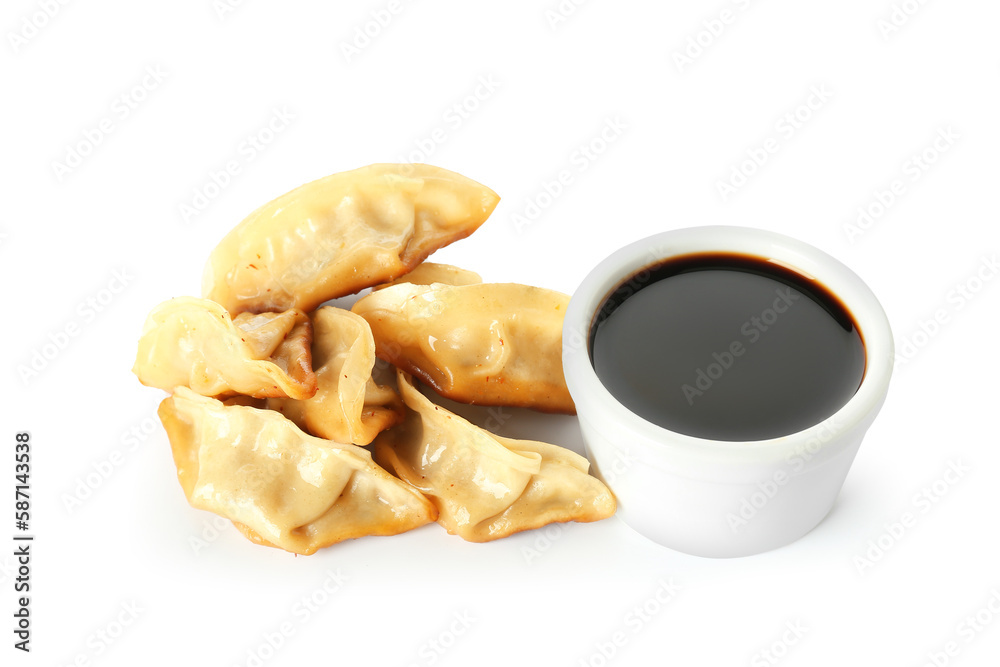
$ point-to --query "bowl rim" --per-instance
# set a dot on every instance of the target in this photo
(590, 394)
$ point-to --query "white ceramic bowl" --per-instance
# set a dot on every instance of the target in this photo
(709, 497)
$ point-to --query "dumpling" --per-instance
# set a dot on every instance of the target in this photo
(341, 234)
(348, 406)
(283, 487)
(189, 342)
(428, 273)
(488, 344)
(485, 486)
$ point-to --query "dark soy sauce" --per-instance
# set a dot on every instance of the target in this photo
(727, 347)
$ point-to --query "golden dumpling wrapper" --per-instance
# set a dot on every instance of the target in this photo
(485, 486)
(283, 487)
(428, 273)
(195, 343)
(487, 343)
(342, 233)
(348, 405)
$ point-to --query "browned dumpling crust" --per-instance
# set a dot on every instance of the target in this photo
(488, 343)
(485, 486)
(343, 233)
(348, 405)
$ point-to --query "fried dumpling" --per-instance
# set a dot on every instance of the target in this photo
(195, 343)
(348, 406)
(428, 273)
(488, 343)
(343, 233)
(283, 487)
(486, 486)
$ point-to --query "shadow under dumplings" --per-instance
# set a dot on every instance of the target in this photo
(519, 423)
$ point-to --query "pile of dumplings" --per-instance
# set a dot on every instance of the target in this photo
(281, 420)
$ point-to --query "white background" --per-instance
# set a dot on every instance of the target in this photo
(544, 597)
